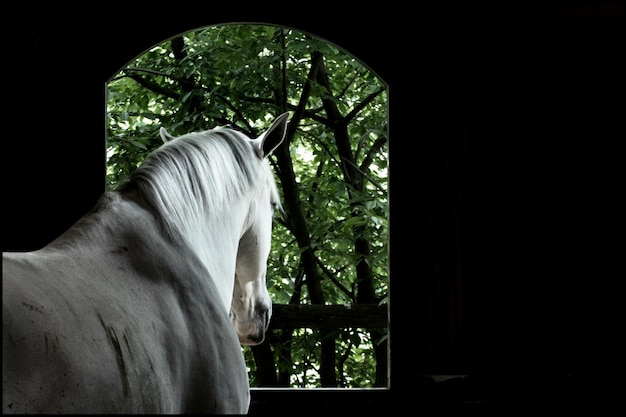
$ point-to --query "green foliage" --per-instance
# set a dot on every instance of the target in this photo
(245, 75)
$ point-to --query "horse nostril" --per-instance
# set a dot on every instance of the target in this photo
(265, 313)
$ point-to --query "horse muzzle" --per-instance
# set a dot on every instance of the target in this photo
(252, 331)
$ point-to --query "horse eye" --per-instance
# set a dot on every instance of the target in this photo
(276, 207)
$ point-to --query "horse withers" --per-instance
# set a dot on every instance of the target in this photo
(143, 304)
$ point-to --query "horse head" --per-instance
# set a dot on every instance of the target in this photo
(251, 307)
(249, 301)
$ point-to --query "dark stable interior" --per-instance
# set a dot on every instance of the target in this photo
(504, 125)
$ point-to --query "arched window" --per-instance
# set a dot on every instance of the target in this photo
(328, 268)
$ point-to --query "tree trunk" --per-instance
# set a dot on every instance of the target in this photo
(265, 369)
(354, 185)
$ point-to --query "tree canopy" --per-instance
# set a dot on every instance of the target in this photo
(331, 246)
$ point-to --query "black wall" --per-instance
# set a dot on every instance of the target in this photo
(504, 126)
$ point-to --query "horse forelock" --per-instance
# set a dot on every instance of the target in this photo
(197, 174)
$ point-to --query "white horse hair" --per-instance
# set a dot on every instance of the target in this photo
(142, 305)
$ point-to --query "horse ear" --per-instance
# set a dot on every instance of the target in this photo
(272, 137)
(165, 135)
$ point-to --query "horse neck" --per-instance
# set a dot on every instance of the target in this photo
(215, 241)
(211, 241)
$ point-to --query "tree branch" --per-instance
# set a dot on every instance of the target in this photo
(361, 104)
(152, 86)
(316, 316)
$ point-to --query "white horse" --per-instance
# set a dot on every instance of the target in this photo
(141, 306)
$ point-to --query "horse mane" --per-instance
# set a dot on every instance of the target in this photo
(196, 174)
